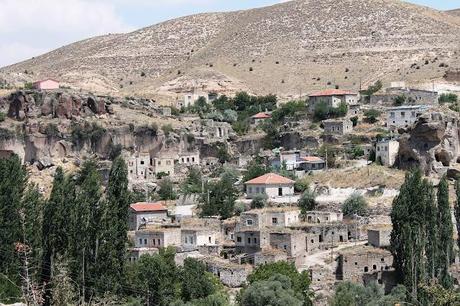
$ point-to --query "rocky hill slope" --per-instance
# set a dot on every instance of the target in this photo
(454, 12)
(286, 49)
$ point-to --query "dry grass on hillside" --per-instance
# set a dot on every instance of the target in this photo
(365, 177)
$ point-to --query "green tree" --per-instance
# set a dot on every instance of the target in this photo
(155, 278)
(409, 234)
(399, 100)
(259, 201)
(197, 283)
(300, 282)
(307, 202)
(276, 291)
(255, 168)
(448, 98)
(371, 116)
(193, 183)
(355, 205)
(457, 209)
(166, 191)
(114, 226)
(372, 89)
(445, 241)
(12, 184)
(348, 293)
(321, 111)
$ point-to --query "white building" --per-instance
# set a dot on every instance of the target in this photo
(271, 184)
(190, 98)
(332, 98)
(386, 151)
(403, 116)
(143, 213)
(164, 164)
(193, 238)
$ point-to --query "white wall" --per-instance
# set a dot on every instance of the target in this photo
(272, 191)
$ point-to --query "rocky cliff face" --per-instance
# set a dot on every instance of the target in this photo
(34, 104)
(433, 143)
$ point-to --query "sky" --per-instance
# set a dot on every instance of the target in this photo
(33, 27)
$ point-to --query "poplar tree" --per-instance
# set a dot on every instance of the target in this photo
(12, 184)
(114, 223)
(457, 210)
(445, 240)
(409, 234)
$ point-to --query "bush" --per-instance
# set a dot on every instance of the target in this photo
(6, 134)
(355, 205)
(301, 185)
(399, 100)
(356, 152)
(447, 98)
(167, 129)
(307, 202)
(88, 131)
(2, 117)
(371, 116)
(115, 151)
(166, 191)
(354, 120)
(259, 201)
(146, 130)
(52, 130)
(28, 85)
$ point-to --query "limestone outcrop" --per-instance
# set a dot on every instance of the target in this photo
(433, 143)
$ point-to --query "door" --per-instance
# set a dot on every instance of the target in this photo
(280, 192)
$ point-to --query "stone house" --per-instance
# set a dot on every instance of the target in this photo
(292, 242)
(269, 255)
(140, 166)
(321, 275)
(190, 98)
(386, 151)
(270, 184)
(379, 236)
(269, 217)
(164, 164)
(232, 275)
(338, 126)
(354, 110)
(260, 118)
(404, 116)
(323, 217)
(135, 253)
(143, 213)
(157, 237)
(332, 98)
(312, 163)
(192, 238)
(251, 240)
(189, 159)
(165, 111)
(328, 234)
(426, 97)
(46, 84)
(355, 262)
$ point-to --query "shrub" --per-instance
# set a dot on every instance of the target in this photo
(2, 117)
(115, 151)
(88, 131)
(307, 201)
(259, 201)
(167, 129)
(52, 130)
(301, 185)
(354, 120)
(146, 130)
(6, 134)
(355, 205)
(371, 116)
(399, 100)
(28, 85)
(356, 152)
(448, 98)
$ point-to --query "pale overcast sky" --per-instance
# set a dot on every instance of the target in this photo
(32, 27)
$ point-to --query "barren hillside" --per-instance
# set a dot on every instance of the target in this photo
(287, 49)
(454, 12)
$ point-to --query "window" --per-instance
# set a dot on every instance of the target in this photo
(142, 162)
(274, 220)
(193, 159)
(249, 240)
(153, 241)
(413, 115)
(159, 163)
(188, 159)
(209, 239)
(257, 189)
(159, 241)
(366, 269)
(403, 114)
(249, 189)
(392, 115)
(168, 162)
(140, 241)
(255, 240)
(186, 239)
(238, 238)
(249, 222)
(145, 241)
(374, 267)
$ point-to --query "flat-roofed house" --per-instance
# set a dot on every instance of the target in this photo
(386, 151)
(338, 126)
(332, 98)
(46, 84)
(271, 184)
(404, 116)
(143, 213)
(312, 163)
(157, 237)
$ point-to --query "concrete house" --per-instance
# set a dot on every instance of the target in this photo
(290, 159)
(332, 98)
(379, 236)
(386, 152)
(46, 84)
(164, 164)
(269, 217)
(292, 242)
(192, 238)
(143, 213)
(250, 241)
(271, 184)
(418, 96)
(190, 98)
(404, 116)
(323, 217)
(260, 118)
(157, 237)
(338, 126)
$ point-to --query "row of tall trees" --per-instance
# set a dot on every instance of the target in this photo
(80, 227)
(422, 236)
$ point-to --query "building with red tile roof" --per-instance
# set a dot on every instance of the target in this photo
(143, 213)
(332, 98)
(270, 184)
(260, 117)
